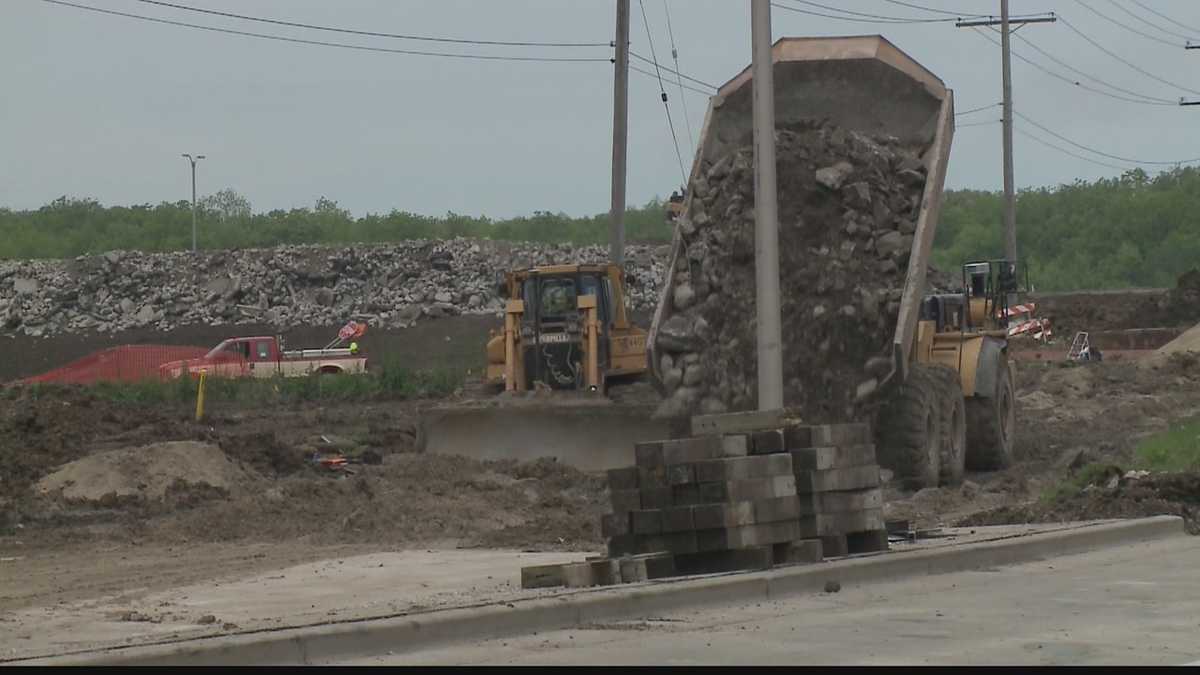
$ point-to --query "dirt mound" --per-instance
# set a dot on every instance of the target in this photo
(143, 473)
(1124, 496)
(848, 208)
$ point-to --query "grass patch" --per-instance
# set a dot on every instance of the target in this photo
(1089, 474)
(1176, 449)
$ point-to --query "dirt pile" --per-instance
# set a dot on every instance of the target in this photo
(848, 207)
(144, 473)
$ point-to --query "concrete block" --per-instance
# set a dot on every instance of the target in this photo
(678, 519)
(647, 567)
(848, 522)
(766, 442)
(740, 468)
(816, 436)
(859, 500)
(720, 561)
(746, 536)
(742, 422)
(689, 450)
(735, 445)
(685, 495)
(721, 516)
(652, 477)
(578, 575)
(774, 510)
(834, 546)
(657, 498)
(606, 572)
(647, 521)
(623, 479)
(625, 544)
(615, 524)
(647, 455)
(833, 457)
(870, 541)
(674, 543)
(625, 500)
(750, 490)
(681, 474)
(838, 480)
(542, 576)
(798, 552)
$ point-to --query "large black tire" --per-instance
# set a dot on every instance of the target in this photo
(953, 454)
(909, 430)
(991, 423)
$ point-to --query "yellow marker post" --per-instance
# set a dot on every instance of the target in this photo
(200, 397)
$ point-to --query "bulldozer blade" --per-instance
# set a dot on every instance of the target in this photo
(588, 437)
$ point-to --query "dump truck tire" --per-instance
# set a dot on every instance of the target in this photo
(991, 422)
(909, 431)
(953, 454)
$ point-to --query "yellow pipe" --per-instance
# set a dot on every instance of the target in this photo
(200, 397)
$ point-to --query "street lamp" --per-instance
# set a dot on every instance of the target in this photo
(193, 160)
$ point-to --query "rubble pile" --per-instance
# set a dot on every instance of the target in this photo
(390, 286)
(848, 208)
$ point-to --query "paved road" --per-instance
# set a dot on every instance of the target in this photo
(1137, 604)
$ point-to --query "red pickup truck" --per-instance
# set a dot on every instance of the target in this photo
(264, 357)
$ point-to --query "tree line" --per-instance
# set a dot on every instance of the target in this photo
(1131, 231)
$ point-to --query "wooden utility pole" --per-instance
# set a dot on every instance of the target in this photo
(1010, 195)
(616, 230)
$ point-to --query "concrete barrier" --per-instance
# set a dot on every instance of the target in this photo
(332, 642)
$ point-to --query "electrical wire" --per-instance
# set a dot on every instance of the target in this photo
(1164, 16)
(321, 43)
(426, 38)
(1068, 80)
(1148, 22)
(663, 91)
(847, 18)
(1114, 87)
(687, 87)
(960, 15)
(1070, 26)
(976, 124)
(878, 17)
(1103, 154)
(975, 110)
(645, 60)
(1126, 26)
(1067, 152)
(682, 100)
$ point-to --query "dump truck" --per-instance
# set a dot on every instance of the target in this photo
(561, 377)
(943, 400)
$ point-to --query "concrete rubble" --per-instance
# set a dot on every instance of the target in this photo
(384, 285)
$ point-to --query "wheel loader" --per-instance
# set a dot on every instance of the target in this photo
(556, 377)
(945, 400)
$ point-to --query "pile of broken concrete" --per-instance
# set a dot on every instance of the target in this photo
(386, 285)
(848, 207)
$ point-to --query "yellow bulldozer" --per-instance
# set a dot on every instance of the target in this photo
(562, 378)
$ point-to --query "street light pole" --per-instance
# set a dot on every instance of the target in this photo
(193, 160)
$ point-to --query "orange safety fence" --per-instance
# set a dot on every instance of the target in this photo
(127, 363)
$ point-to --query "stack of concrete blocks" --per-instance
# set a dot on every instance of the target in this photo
(712, 503)
(835, 470)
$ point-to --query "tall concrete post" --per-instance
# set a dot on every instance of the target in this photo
(766, 214)
(1010, 198)
(616, 230)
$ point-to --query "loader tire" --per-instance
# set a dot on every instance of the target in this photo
(953, 454)
(909, 430)
(991, 423)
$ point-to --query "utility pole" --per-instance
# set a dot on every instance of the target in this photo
(616, 228)
(766, 214)
(193, 160)
(1010, 196)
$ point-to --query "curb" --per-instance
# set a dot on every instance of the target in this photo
(328, 643)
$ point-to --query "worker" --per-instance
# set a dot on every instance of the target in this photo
(353, 348)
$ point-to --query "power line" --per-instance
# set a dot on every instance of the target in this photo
(975, 110)
(960, 15)
(1090, 77)
(850, 18)
(1098, 152)
(682, 100)
(1068, 80)
(877, 17)
(977, 124)
(340, 45)
(1126, 26)
(1139, 69)
(1148, 22)
(662, 90)
(1068, 152)
(688, 87)
(1164, 16)
(645, 60)
(278, 22)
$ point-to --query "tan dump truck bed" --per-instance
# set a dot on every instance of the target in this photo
(863, 84)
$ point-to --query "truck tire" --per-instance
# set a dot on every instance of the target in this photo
(909, 430)
(991, 422)
(954, 426)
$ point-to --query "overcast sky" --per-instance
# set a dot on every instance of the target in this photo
(102, 106)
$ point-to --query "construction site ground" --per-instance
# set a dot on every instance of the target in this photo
(259, 508)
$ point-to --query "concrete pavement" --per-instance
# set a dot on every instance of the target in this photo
(1136, 604)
